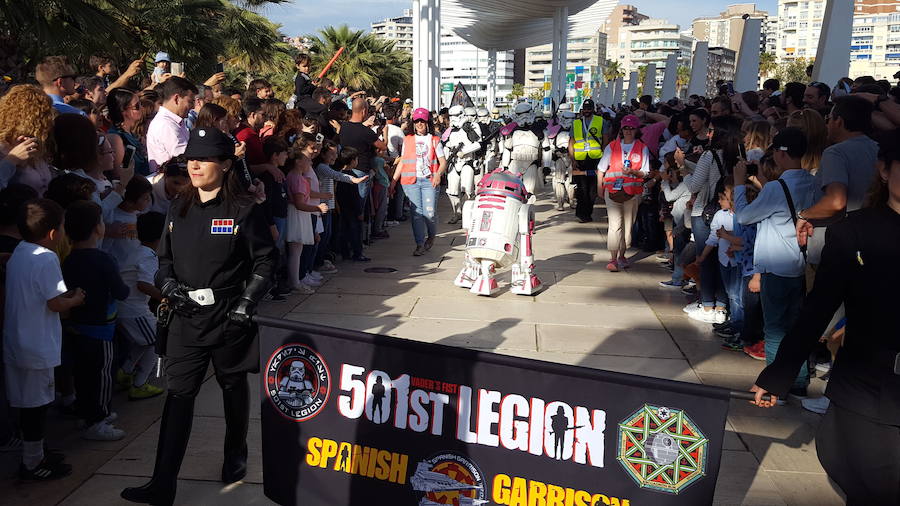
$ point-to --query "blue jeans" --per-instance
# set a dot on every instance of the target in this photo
(781, 301)
(324, 245)
(712, 293)
(423, 206)
(680, 238)
(733, 283)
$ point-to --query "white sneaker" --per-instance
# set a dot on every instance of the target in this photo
(311, 281)
(328, 268)
(816, 405)
(720, 316)
(703, 316)
(316, 274)
(113, 416)
(303, 289)
(692, 307)
(102, 431)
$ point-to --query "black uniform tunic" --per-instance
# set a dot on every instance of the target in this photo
(858, 441)
(218, 245)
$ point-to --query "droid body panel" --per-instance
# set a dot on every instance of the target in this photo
(500, 225)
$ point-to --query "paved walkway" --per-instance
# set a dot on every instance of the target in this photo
(586, 316)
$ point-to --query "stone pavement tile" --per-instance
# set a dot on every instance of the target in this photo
(741, 482)
(13, 492)
(372, 305)
(606, 341)
(532, 312)
(780, 444)
(504, 333)
(606, 295)
(591, 277)
(104, 489)
(209, 400)
(415, 287)
(710, 357)
(665, 301)
(739, 382)
(667, 368)
(682, 328)
(807, 489)
(203, 459)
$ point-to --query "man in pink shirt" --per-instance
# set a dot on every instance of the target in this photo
(167, 135)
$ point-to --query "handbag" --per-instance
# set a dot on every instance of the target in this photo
(712, 205)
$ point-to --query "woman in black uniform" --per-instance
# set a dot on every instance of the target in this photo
(858, 440)
(216, 259)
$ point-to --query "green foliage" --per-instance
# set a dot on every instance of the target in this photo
(518, 91)
(793, 70)
(682, 78)
(613, 71)
(367, 63)
(196, 32)
(768, 64)
(536, 95)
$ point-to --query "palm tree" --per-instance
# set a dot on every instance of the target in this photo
(367, 63)
(682, 78)
(196, 32)
(613, 71)
(768, 64)
(642, 75)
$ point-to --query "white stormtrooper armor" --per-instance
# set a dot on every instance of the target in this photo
(499, 226)
(461, 147)
(294, 388)
(491, 145)
(522, 148)
(563, 186)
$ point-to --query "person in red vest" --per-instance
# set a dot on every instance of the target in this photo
(620, 176)
(419, 169)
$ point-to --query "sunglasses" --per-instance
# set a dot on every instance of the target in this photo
(628, 128)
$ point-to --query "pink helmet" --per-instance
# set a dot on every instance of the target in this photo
(421, 114)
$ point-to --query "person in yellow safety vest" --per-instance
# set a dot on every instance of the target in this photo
(585, 150)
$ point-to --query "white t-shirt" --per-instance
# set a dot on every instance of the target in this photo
(121, 248)
(394, 141)
(32, 334)
(140, 266)
(161, 201)
(722, 219)
(423, 154)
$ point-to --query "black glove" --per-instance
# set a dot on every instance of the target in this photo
(245, 308)
(178, 298)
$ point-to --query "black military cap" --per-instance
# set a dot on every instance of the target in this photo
(208, 143)
(588, 104)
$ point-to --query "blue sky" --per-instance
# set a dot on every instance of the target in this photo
(307, 16)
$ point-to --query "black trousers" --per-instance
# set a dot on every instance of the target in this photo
(34, 422)
(186, 365)
(584, 195)
(861, 455)
(93, 374)
(351, 236)
(752, 331)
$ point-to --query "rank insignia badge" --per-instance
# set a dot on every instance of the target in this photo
(222, 227)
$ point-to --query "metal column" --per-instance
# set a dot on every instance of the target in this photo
(491, 79)
(833, 54)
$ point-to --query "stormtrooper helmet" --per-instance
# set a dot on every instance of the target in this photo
(298, 371)
(567, 119)
(456, 116)
(565, 106)
(484, 116)
(523, 114)
(471, 113)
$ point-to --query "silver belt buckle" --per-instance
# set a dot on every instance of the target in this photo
(203, 296)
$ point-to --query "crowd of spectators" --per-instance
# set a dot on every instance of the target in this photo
(89, 166)
(740, 195)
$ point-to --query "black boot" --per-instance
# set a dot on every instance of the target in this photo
(174, 433)
(236, 400)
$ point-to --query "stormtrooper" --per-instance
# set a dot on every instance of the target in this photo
(499, 227)
(294, 388)
(490, 147)
(556, 142)
(522, 147)
(462, 142)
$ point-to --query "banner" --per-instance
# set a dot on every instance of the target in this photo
(350, 418)
(461, 97)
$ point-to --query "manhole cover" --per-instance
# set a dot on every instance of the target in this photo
(380, 270)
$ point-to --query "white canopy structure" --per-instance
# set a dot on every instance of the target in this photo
(495, 25)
